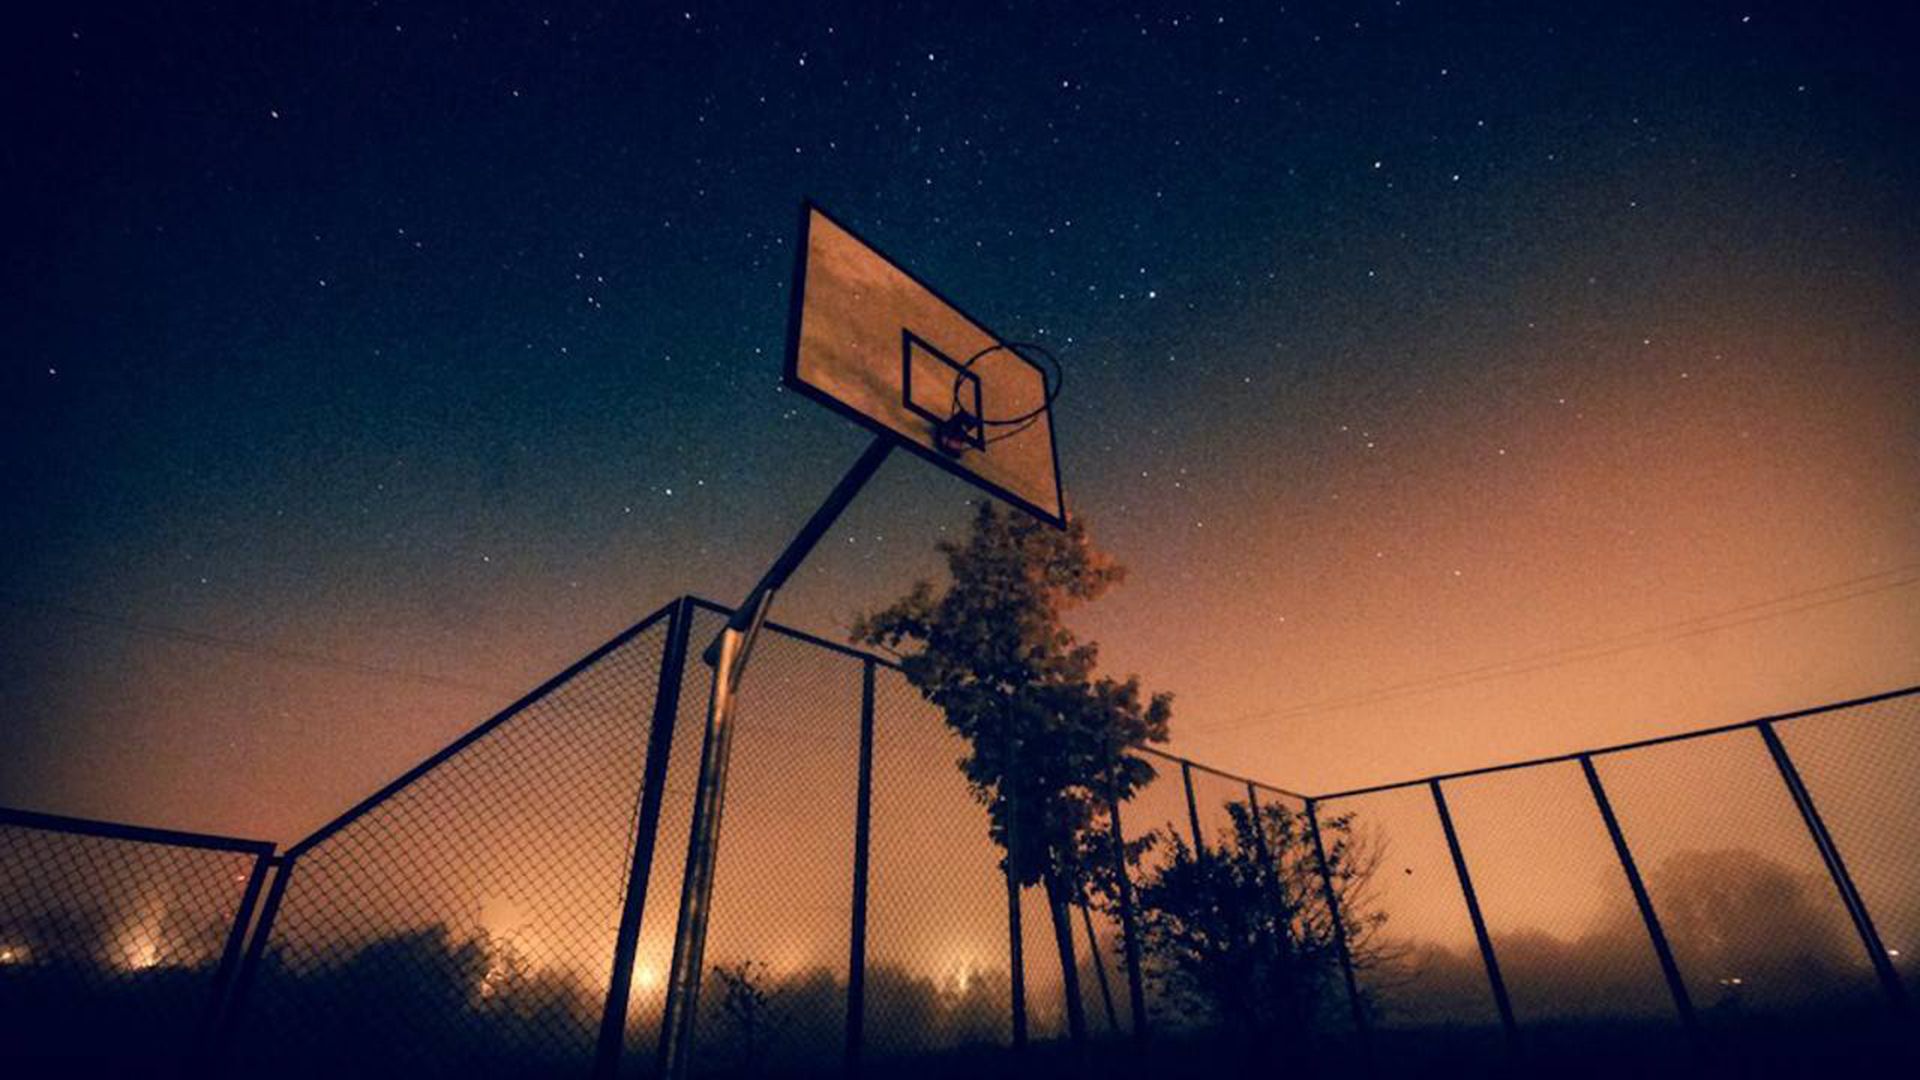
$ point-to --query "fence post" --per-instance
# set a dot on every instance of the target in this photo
(243, 977)
(218, 997)
(1480, 934)
(1332, 896)
(1099, 964)
(626, 944)
(1193, 810)
(1016, 947)
(1129, 932)
(1682, 1003)
(862, 834)
(1270, 868)
(1890, 983)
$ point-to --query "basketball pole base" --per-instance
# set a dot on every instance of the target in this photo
(728, 656)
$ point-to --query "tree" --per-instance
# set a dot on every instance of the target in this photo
(1756, 931)
(1045, 737)
(1239, 933)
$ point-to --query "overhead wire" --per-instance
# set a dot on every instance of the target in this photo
(240, 645)
(1851, 589)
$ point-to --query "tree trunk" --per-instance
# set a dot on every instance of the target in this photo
(1058, 899)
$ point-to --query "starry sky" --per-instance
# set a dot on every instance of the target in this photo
(1460, 381)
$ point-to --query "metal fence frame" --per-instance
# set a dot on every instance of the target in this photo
(1893, 989)
(250, 933)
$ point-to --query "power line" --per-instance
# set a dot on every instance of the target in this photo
(238, 645)
(1592, 650)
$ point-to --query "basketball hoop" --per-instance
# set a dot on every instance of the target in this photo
(965, 430)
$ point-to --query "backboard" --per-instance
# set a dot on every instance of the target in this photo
(874, 342)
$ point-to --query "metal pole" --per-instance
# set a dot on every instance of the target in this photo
(1498, 984)
(696, 886)
(1282, 929)
(1850, 898)
(1016, 946)
(1193, 810)
(1099, 965)
(1129, 932)
(250, 963)
(1332, 896)
(218, 998)
(666, 712)
(1682, 1003)
(729, 655)
(1259, 829)
(862, 835)
(804, 541)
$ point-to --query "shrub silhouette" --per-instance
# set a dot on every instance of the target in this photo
(1237, 937)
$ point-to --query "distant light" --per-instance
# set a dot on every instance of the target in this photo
(490, 983)
(1895, 953)
(144, 954)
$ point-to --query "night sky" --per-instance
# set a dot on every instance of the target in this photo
(1459, 381)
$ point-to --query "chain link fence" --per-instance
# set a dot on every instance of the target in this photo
(774, 995)
(115, 942)
(1686, 894)
(1857, 763)
(937, 974)
(509, 907)
(462, 921)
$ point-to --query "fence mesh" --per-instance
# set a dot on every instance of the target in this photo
(465, 924)
(1212, 795)
(774, 997)
(1046, 986)
(1757, 928)
(1103, 973)
(1159, 810)
(1301, 884)
(1857, 765)
(109, 947)
(1558, 909)
(1420, 965)
(937, 969)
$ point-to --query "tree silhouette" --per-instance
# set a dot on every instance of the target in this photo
(1045, 737)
